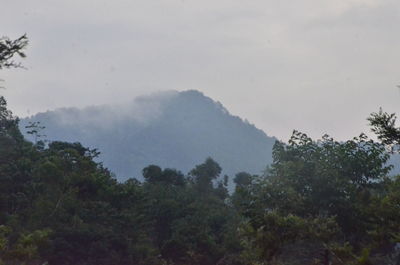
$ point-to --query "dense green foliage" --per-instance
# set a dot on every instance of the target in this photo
(323, 202)
(324, 195)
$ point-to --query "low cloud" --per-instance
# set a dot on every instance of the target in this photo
(308, 62)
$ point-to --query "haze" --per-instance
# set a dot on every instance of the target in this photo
(312, 65)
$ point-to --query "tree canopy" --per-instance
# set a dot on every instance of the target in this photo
(384, 126)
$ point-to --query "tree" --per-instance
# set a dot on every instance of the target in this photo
(154, 174)
(205, 173)
(384, 126)
(311, 189)
(242, 198)
(10, 48)
(16, 155)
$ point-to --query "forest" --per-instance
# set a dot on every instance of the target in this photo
(319, 202)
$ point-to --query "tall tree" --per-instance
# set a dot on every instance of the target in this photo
(205, 173)
(315, 190)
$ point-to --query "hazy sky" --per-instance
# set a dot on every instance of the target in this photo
(318, 66)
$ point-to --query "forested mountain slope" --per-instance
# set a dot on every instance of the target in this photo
(170, 129)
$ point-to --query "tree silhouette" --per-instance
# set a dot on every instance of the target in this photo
(9, 48)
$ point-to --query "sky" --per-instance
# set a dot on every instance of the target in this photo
(317, 66)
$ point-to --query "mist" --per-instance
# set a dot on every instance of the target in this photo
(170, 129)
(314, 66)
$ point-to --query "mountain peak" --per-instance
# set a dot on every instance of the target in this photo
(170, 129)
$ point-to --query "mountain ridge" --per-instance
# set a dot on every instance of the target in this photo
(170, 129)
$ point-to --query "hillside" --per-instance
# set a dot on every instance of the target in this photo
(169, 129)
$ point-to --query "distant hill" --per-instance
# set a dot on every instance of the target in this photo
(395, 161)
(170, 129)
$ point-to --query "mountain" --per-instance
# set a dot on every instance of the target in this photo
(170, 129)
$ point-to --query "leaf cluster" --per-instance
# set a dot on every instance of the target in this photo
(9, 48)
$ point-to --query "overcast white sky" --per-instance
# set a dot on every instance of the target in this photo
(318, 66)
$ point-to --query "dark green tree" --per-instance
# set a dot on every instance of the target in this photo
(384, 126)
(204, 174)
(318, 191)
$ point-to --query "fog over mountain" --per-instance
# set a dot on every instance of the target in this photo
(170, 129)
